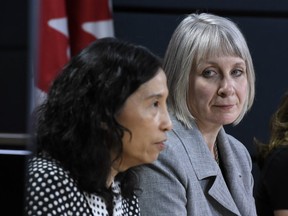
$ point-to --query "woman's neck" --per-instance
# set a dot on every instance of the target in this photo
(209, 133)
(111, 177)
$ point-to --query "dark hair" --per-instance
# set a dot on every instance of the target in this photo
(76, 124)
(278, 132)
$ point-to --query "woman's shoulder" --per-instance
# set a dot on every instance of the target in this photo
(278, 158)
(49, 189)
(281, 150)
(44, 166)
(274, 172)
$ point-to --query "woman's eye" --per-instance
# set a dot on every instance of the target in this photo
(237, 73)
(156, 104)
(208, 73)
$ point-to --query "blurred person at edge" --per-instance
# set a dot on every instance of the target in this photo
(272, 189)
(105, 113)
(211, 81)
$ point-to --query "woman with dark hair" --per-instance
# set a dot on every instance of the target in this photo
(105, 113)
(271, 194)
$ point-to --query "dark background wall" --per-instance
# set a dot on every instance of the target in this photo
(14, 103)
(14, 65)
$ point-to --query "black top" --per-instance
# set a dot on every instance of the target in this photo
(272, 191)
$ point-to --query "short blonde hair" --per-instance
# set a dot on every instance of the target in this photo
(197, 37)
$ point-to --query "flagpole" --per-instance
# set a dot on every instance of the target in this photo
(32, 65)
(32, 49)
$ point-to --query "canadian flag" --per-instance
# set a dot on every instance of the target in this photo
(65, 27)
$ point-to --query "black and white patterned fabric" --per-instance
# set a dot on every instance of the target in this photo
(51, 191)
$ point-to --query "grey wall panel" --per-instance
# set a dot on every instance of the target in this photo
(13, 91)
(14, 24)
(14, 19)
(151, 30)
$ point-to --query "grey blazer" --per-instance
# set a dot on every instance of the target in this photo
(186, 180)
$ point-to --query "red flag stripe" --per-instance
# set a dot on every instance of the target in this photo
(85, 12)
(53, 41)
(67, 25)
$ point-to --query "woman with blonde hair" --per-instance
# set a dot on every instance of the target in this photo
(204, 170)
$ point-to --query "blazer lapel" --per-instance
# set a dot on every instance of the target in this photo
(222, 195)
(204, 165)
(233, 173)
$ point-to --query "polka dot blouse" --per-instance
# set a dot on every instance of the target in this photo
(51, 191)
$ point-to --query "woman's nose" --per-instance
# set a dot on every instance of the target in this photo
(166, 121)
(226, 87)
